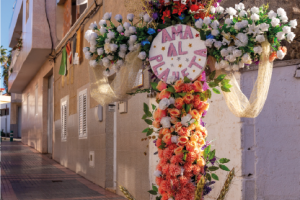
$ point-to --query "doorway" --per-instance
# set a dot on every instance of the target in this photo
(50, 113)
(19, 121)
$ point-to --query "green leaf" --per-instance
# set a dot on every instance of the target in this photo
(211, 154)
(163, 145)
(154, 188)
(212, 84)
(208, 93)
(186, 80)
(146, 108)
(206, 152)
(214, 176)
(182, 94)
(224, 160)
(225, 89)
(146, 130)
(213, 168)
(187, 108)
(154, 85)
(212, 75)
(148, 121)
(153, 107)
(171, 89)
(225, 82)
(150, 131)
(152, 192)
(215, 90)
(221, 77)
(184, 156)
(202, 35)
(224, 168)
(208, 177)
(177, 95)
(144, 116)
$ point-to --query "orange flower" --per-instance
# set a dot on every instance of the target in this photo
(188, 87)
(191, 146)
(197, 86)
(197, 101)
(184, 131)
(201, 162)
(158, 114)
(195, 114)
(167, 138)
(283, 49)
(194, 138)
(164, 131)
(174, 120)
(201, 142)
(178, 151)
(179, 103)
(164, 94)
(178, 85)
(203, 106)
(273, 56)
(188, 98)
(183, 140)
(156, 124)
(174, 112)
(161, 85)
(178, 126)
(192, 127)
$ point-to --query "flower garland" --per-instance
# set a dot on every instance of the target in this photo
(185, 155)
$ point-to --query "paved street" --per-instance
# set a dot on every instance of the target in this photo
(27, 174)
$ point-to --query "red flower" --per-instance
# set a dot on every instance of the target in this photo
(194, 8)
(178, 8)
(167, 14)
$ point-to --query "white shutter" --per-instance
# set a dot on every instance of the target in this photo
(64, 121)
(36, 100)
(80, 2)
(82, 114)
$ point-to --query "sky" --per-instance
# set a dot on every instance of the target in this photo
(6, 9)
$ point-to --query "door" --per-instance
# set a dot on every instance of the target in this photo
(50, 113)
(19, 121)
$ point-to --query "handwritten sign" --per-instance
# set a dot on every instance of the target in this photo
(178, 51)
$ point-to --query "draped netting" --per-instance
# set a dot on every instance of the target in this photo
(237, 102)
(104, 90)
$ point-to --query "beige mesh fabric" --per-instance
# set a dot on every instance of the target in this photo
(238, 103)
(105, 91)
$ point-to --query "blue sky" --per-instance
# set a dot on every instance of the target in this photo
(6, 14)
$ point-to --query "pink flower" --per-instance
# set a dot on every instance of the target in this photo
(161, 85)
(164, 94)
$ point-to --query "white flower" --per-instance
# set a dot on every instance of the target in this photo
(111, 35)
(228, 68)
(280, 35)
(132, 38)
(107, 40)
(85, 49)
(215, 24)
(260, 38)
(239, 6)
(164, 104)
(224, 63)
(87, 55)
(231, 49)
(102, 30)
(293, 23)
(207, 20)
(220, 10)
(110, 57)
(280, 54)
(224, 52)
(172, 80)
(237, 53)
(100, 51)
(218, 44)
(281, 12)
(116, 68)
(130, 17)
(93, 26)
(122, 54)
(255, 10)
(131, 47)
(247, 58)
(215, 32)
(231, 11)
(209, 42)
(241, 40)
(113, 47)
(107, 16)
(264, 27)
(157, 173)
(241, 65)
(199, 23)
(174, 139)
(235, 67)
(120, 28)
(218, 66)
(126, 25)
(257, 50)
(127, 33)
(93, 63)
(147, 18)
(172, 100)
(212, 10)
(142, 55)
(243, 13)
(284, 19)
(165, 122)
(290, 36)
(286, 29)
(123, 47)
(275, 22)
(272, 14)
(132, 29)
(253, 30)
(238, 26)
(102, 22)
(255, 17)
(186, 119)
(107, 48)
(119, 62)
(231, 58)
(228, 21)
(225, 41)
(93, 48)
(105, 61)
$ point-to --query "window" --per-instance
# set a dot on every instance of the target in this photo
(28, 96)
(82, 113)
(36, 100)
(63, 119)
(27, 10)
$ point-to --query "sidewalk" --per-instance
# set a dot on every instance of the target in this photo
(27, 174)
